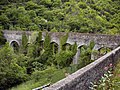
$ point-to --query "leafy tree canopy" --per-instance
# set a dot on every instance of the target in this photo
(91, 16)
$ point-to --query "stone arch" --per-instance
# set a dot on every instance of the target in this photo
(83, 45)
(80, 49)
(54, 47)
(67, 46)
(95, 52)
(104, 50)
(41, 43)
(40, 48)
(15, 45)
(14, 41)
(55, 41)
(77, 55)
(100, 50)
(96, 47)
(80, 44)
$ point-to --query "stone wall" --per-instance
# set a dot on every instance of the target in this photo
(101, 40)
(80, 80)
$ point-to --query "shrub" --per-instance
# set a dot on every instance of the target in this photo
(2, 39)
(45, 74)
(10, 72)
(64, 58)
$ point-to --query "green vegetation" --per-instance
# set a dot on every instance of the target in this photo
(2, 38)
(115, 79)
(110, 80)
(103, 51)
(85, 54)
(39, 78)
(38, 62)
(91, 16)
(11, 73)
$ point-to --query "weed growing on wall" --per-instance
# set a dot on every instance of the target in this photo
(41, 60)
(85, 54)
(106, 82)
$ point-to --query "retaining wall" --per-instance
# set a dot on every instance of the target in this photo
(80, 80)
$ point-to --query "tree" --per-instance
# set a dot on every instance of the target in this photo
(64, 58)
(4, 21)
(10, 72)
(24, 45)
(2, 38)
(63, 40)
(85, 54)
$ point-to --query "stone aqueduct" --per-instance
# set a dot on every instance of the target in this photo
(81, 79)
(109, 41)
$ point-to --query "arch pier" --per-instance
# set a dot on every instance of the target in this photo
(100, 40)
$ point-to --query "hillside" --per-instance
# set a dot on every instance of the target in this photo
(89, 16)
(36, 62)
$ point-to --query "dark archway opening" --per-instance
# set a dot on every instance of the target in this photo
(82, 47)
(67, 46)
(104, 50)
(15, 46)
(54, 47)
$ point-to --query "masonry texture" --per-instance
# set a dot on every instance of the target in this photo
(107, 41)
(80, 80)
(110, 41)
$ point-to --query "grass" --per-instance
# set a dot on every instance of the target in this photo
(29, 85)
(116, 78)
(50, 77)
(110, 80)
